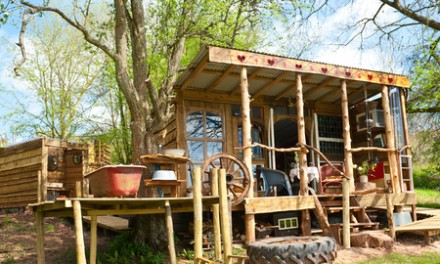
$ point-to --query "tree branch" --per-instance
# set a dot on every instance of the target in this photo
(412, 14)
(24, 22)
(76, 25)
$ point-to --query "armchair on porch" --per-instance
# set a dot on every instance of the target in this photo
(330, 178)
(275, 178)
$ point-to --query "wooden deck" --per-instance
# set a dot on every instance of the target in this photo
(113, 223)
(428, 227)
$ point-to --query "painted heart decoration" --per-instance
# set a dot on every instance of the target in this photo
(347, 73)
(271, 61)
(241, 57)
(370, 76)
(390, 79)
(298, 66)
(324, 69)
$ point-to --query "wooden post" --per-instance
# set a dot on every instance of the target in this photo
(405, 121)
(79, 236)
(39, 225)
(389, 134)
(170, 232)
(225, 221)
(40, 187)
(198, 214)
(390, 216)
(216, 216)
(44, 170)
(306, 227)
(93, 238)
(347, 185)
(247, 151)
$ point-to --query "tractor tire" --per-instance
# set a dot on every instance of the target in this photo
(289, 250)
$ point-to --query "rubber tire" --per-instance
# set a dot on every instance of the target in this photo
(301, 250)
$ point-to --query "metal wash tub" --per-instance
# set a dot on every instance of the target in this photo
(115, 181)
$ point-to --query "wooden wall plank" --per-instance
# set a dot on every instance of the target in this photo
(23, 147)
(21, 163)
(34, 167)
(278, 204)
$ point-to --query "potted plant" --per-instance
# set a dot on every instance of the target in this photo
(363, 170)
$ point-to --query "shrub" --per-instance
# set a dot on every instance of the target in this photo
(123, 250)
(427, 178)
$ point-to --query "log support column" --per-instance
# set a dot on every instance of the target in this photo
(306, 227)
(198, 215)
(389, 133)
(93, 238)
(247, 150)
(39, 226)
(347, 184)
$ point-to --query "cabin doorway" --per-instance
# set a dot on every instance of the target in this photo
(286, 136)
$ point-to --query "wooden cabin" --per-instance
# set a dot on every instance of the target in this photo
(285, 114)
(42, 169)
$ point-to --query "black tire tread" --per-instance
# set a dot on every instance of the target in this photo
(279, 251)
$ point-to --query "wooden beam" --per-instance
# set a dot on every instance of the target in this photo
(271, 84)
(317, 88)
(253, 75)
(221, 78)
(389, 134)
(347, 183)
(291, 88)
(195, 72)
(252, 59)
(265, 205)
(390, 216)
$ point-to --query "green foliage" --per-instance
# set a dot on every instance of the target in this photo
(427, 178)
(403, 258)
(123, 250)
(50, 228)
(186, 254)
(8, 259)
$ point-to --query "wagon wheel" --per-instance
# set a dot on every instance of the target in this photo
(237, 175)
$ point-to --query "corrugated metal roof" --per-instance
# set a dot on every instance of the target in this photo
(217, 69)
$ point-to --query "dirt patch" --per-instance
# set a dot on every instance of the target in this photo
(18, 242)
(18, 239)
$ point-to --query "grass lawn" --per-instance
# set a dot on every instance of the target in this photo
(428, 258)
(428, 198)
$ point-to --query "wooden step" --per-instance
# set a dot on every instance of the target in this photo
(333, 209)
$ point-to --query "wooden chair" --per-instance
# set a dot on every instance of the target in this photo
(275, 178)
(329, 177)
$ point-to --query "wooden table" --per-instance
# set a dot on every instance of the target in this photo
(171, 160)
(172, 184)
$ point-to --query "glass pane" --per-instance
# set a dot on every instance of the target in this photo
(214, 147)
(256, 134)
(214, 126)
(195, 151)
(194, 125)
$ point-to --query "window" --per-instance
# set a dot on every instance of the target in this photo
(331, 142)
(204, 134)
(256, 137)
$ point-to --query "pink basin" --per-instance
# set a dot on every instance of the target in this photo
(115, 181)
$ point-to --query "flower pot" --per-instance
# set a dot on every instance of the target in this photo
(363, 178)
